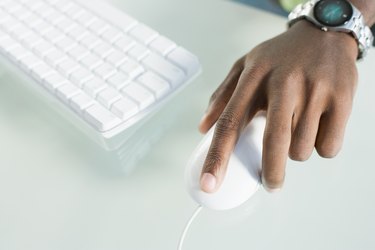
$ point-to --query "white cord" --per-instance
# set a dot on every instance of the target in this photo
(183, 235)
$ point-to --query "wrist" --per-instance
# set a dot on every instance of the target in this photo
(367, 8)
(339, 17)
(340, 40)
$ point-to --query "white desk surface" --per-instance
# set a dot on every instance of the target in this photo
(58, 190)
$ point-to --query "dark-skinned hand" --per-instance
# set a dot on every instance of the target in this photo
(304, 80)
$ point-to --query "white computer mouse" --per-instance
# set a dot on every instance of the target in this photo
(242, 178)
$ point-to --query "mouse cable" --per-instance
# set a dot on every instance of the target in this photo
(188, 224)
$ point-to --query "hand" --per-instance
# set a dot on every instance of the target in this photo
(305, 80)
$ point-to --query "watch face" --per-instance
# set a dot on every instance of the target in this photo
(333, 12)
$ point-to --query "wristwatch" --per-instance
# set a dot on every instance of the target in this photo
(336, 15)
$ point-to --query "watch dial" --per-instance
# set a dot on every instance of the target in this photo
(333, 12)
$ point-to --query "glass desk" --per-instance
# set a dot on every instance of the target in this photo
(60, 191)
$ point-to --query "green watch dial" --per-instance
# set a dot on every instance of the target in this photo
(333, 12)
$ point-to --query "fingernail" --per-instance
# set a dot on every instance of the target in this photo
(208, 183)
(269, 189)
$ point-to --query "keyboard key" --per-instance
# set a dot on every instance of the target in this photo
(53, 36)
(53, 81)
(108, 96)
(78, 52)
(45, 12)
(173, 74)
(105, 70)
(81, 102)
(162, 45)
(141, 95)
(21, 31)
(77, 33)
(74, 11)
(90, 41)
(18, 52)
(101, 118)
(121, 20)
(41, 27)
(48, 14)
(42, 48)
(67, 66)
(51, 2)
(124, 43)
(86, 18)
(103, 49)
(11, 7)
(124, 108)
(28, 62)
(132, 68)
(31, 20)
(80, 76)
(34, 5)
(111, 34)
(156, 84)
(67, 91)
(63, 6)
(40, 71)
(21, 13)
(143, 33)
(98, 26)
(31, 40)
(94, 86)
(185, 60)
(56, 18)
(116, 58)
(118, 80)
(7, 43)
(54, 57)
(138, 52)
(91, 61)
(65, 44)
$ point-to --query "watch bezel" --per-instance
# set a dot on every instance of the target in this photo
(317, 16)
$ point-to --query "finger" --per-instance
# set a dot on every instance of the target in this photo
(331, 131)
(228, 128)
(221, 97)
(305, 132)
(276, 142)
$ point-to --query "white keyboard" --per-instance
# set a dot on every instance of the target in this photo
(102, 64)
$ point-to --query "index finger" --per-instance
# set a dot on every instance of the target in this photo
(240, 108)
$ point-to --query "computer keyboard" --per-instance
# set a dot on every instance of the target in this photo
(105, 66)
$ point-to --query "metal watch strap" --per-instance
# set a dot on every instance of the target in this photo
(356, 25)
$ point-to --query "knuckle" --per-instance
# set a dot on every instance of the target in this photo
(228, 122)
(319, 87)
(343, 88)
(343, 98)
(288, 78)
(283, 88)
(213, 161)
(214, 96)
(238, 65)
(276, 132)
